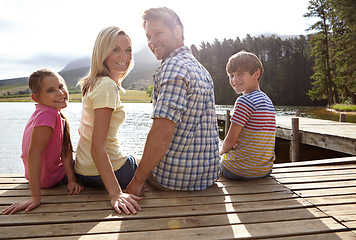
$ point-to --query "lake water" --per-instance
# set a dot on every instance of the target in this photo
(132, 133)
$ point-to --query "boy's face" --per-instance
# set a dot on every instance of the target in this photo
(243, 82)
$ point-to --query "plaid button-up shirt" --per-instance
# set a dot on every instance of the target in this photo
(184, 93)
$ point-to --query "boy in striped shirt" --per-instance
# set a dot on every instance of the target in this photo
(248, 148)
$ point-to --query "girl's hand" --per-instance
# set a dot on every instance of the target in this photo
(127, 202)
(28, 205)
(74, 188)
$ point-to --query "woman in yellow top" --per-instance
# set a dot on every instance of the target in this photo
(99, 159)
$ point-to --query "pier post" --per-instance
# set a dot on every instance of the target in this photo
(294, 144)
(342, 117)
(227, 122)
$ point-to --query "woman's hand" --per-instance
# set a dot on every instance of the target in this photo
(74, 188)
(28, 205)
(127, 202)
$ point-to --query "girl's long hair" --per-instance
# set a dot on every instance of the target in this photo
(34, 83)
(104, 45)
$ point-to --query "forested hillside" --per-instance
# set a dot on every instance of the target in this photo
(306, 70)
(287, 64)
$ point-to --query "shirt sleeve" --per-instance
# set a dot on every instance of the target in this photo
(46, 119)
(105, 95)
(172, 97)
(242, 111)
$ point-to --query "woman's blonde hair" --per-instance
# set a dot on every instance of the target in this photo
(104, 45)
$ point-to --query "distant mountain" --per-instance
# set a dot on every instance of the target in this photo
(76, 64)
(139, 78)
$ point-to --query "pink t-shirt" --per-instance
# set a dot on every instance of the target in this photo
(52, 170)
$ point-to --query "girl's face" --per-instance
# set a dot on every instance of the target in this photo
(53, 93)
(119, 59)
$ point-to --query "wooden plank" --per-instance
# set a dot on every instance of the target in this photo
(221, 182)
(78, 202)
(328, 141)
(238, 187)
(13, 180)
(321, 185)
(328, 200)
(326, 192)
(133, 225)
(349, 218)
(8, 186)
(59, 215)
(236, 231)
(317, 178)
(306, 206)
(339, 210)
(322, 236)
(331, 161)
(311, 169)
(11, 175)
(351, 225)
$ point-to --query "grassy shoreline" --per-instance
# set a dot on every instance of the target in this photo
(344, 107)
(130, 96)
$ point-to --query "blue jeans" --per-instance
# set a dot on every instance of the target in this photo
(123, 175)
(233, 176)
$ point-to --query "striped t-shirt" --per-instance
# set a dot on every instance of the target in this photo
(253, 155)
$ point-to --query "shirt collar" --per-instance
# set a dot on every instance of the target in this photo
(182, 49)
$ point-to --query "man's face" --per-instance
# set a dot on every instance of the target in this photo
(161, 39)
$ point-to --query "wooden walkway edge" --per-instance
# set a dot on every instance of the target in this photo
(336, 136)
(303, 200)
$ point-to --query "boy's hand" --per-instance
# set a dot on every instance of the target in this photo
(28, 205)
(74, 188)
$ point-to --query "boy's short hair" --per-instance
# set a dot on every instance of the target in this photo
(244, 61)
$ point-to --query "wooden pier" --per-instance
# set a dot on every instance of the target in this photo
(304, 200)
(336, 136)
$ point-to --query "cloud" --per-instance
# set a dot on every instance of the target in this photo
(58, 30)
(13, 68)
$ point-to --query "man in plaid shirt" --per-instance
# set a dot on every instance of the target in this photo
(182, 147)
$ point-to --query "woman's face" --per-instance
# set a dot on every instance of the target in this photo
(119, 59)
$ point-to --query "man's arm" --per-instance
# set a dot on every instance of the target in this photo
(157, 143)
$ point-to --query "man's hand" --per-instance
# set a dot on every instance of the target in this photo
(136, 188)
(127, 202)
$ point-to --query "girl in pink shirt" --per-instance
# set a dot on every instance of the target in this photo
(46, 145)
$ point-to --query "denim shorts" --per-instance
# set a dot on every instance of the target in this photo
(123, 175)
(233, 176)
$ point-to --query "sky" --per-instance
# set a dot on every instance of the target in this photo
(51, 33)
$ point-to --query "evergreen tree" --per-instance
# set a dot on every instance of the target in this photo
(321, 42)
(344, 37)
